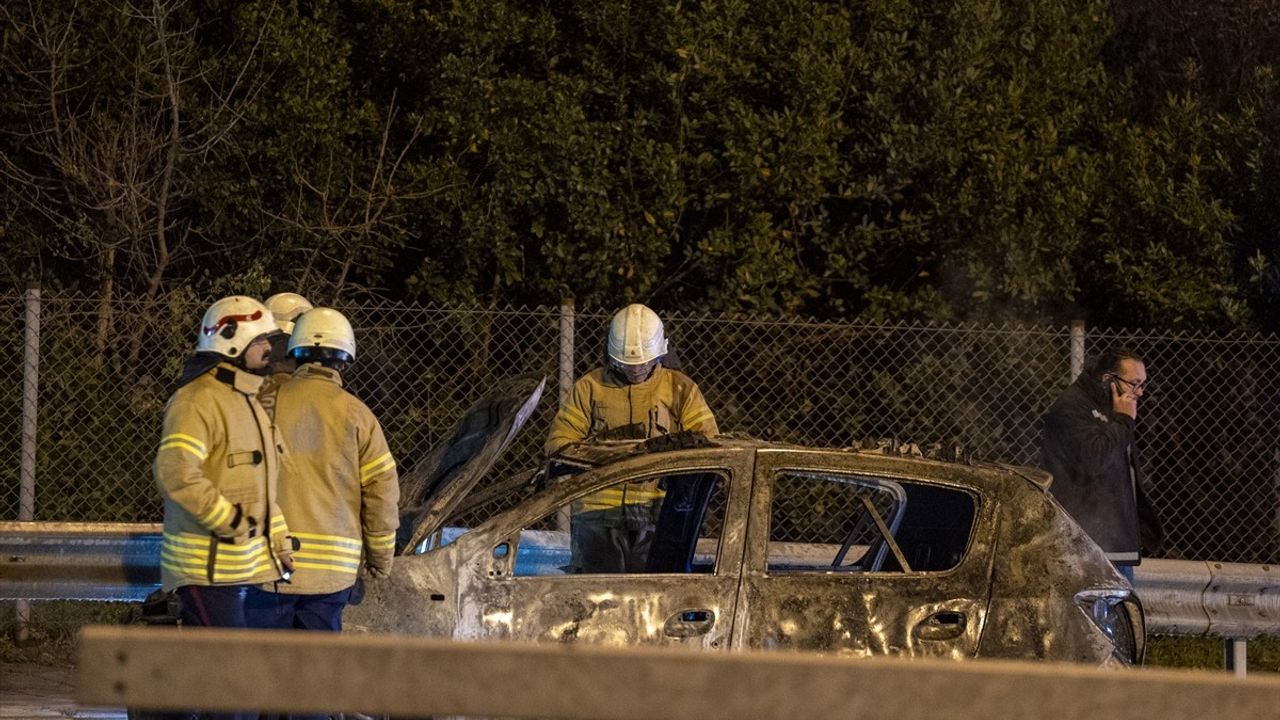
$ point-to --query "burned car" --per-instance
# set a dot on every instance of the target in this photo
(754, 545)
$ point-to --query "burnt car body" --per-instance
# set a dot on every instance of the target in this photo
(757, 545)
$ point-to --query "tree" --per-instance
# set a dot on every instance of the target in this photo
(1037, 161)
(106, 127)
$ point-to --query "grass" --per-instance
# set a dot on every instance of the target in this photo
(52, 629)
(1208, 653)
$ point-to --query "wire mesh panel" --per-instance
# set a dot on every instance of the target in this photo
(105, 372)
(1208, 431)
(837, 385)
(11, 351)
(419, 369)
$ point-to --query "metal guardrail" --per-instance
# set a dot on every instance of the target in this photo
(79, 561)
(1216, 599)
(121, 562)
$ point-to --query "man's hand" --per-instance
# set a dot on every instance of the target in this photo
(1123, 401)
(377, 572)
(285, 553)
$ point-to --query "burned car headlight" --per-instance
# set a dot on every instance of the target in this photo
(1118, 615)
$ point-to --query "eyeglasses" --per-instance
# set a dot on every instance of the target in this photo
(1137, 387)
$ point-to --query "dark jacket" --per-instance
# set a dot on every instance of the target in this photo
(1091, 453)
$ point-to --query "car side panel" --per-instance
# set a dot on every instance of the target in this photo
(420, 597)
(933, 614)
(1043, 560)
(609, 609)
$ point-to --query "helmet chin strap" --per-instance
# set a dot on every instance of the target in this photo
(238, 360)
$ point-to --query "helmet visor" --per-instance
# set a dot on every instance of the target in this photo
(635, 374)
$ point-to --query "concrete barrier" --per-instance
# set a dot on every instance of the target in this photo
(282, 671)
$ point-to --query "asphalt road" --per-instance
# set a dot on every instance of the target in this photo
(36, 691)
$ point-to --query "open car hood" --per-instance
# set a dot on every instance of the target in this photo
(432, 490)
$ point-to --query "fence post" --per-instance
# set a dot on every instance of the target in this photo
(566, 350)
(566, 379)
(1077, 349)
(27, 471)
(1236, 657)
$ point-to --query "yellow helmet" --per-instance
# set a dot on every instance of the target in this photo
(286, 307)
(230, 324)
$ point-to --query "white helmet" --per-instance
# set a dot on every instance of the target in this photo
(323, 328)
(286, 307)
(230, 324)
(635, 336)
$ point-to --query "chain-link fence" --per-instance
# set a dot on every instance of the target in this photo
(1209, 428)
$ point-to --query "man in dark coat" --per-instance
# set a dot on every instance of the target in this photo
(1089, 447)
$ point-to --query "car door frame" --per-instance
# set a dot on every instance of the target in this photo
(878, 588)
(496, 604)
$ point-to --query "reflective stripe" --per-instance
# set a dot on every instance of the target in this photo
(381, 541)
(187, 556)
(572, 414)
(612, 497)
(183, 445)
(331, 551)
(197, 542)
(367, 466)
(220, 575)
(342, 568)
(200, 545)
(340, 558)
(376, 467)
(219, 514)
(197, 442)
(328, 552)
(336, 555)
(201, 562)
(697, 421)
(334, 540)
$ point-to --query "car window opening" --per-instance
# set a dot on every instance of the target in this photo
(669, 523)
(849, 524)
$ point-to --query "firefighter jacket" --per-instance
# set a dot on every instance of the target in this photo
(279, 370)
(1093, 457)
(216, 468)
(338, 484)
(270, 388)
(604, 405)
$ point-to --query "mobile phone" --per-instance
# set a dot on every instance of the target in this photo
(1110, 383)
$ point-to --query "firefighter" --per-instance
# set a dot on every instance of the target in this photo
(216, 467)
(339, 487)
(285, 308)
(632, 397)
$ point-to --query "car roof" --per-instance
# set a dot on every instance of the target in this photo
(904, 456)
